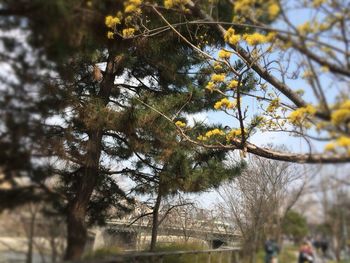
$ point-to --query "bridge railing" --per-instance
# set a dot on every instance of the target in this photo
(195, 256)
(126, 224)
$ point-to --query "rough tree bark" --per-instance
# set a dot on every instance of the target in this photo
(77, 208)
(155, 220)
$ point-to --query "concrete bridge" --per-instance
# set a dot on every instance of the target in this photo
(121, 233)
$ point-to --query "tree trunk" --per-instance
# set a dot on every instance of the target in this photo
(155, 221)
(53, 247)
(31, 230)
(77, 208)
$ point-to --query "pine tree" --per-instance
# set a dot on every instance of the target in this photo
(166, 164)
(94, 119)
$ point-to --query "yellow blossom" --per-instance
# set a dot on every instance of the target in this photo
(135, 2)
(299, 115)
(224, 103)
(330, 147)
(344, 141)
(255, 39)
(342, 114)
(218, 77)
(234, 39)
(110, 35)
(175, 3)
(233, 84)
(304, 28)
(131, 9)
(214, 132)
(210, 86)
(271, 36)
(180, 124)
(231, 38)
(128, 32)
(111, 21)
(273, 10)
(217, 66)
(233, 134)
(132, 6)
(243, 6)
(223, 54)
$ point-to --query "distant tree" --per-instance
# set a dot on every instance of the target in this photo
(334, 196)
(258, 200)
(294, 225)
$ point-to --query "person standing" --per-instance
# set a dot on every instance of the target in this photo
(271, 251)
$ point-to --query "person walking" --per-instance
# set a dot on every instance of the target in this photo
(305, 253)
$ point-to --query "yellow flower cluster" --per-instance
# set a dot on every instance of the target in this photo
(223, 54)
(217, 66)
(257, 38)
(343, 142)
(233, 134)
(305, 28)
(273, 10)
(299, 115)
(210, 86)
(132, 6)
(233, 84)
(110, 35)
(214, 132)
(175, 3)
(218, 77)
(330, 147)
(231, 38)
(242, 6)
(209, 134)
(128, 32)
(111, 21)
(180, 124)
(270, 7)
(342, 113)
(224, 103)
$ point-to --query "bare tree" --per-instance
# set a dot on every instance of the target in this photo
(258, 200)
(334, 199)
(44, 235)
